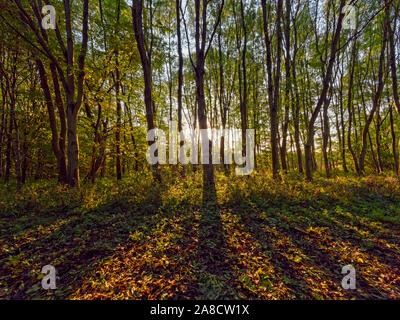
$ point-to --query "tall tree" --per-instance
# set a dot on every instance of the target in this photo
(180, 73)
(203, 42)
(273, 82)
(376, 100)
(325, 86)
(145, 51)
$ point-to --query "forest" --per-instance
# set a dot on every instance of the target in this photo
(199, 149)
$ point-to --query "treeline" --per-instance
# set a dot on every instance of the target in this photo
(317, 81)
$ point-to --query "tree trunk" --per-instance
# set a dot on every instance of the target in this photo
(321, 100)
(222, 103)
(343, 150)
(243, 105)
(287, 86)
(394, 150)
(118, 127)
(8, 152)
(17, 145)
(392, 54)
(62, 161)
(273, 88)
(3, 129)
(180, 79)
(375, 103)
(208, 168)
(145, 56)
(378, 139)
(74, 92)
(73, 146)
(392, 60)
(55, 143)
(325, 137)
(202, 48)
(296, 108)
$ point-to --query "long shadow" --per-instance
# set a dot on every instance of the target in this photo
(362, 199)
(215, 269)
(284, 268)
(78, 247)
(345, 233)
(75, 248)
(329, 260)
(26, 219)
(328, 202)
(326, 262)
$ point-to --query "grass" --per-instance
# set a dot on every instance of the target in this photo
(251, 238)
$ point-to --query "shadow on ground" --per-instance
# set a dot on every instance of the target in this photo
(215, 242)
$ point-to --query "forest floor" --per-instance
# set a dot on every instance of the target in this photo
(250, 238)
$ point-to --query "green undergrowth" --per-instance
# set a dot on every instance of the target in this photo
(251, 237)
